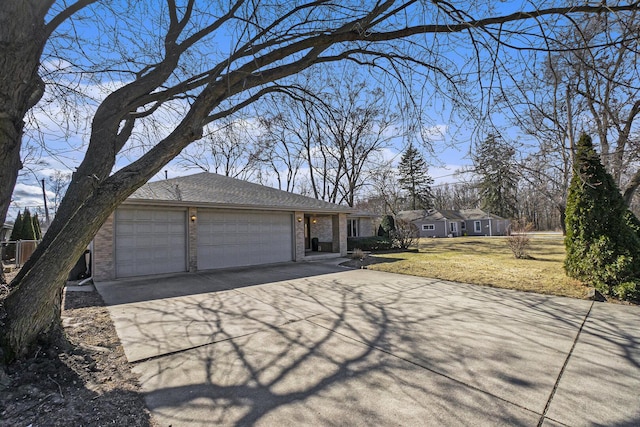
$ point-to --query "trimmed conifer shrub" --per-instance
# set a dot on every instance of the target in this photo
(28, 233)
(36, 227)
(387, 225)
(16, 234)
(603, 246)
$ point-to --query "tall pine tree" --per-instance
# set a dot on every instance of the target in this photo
(494, 163)
(603, 246)
(414, 179)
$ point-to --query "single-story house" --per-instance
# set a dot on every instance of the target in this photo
(454, 223)
(208, 221)
(362, 224)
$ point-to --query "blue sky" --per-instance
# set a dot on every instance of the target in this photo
(65, 134)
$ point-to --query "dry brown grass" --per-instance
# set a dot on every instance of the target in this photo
(489, 261)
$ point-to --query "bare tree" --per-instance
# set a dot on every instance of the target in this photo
(288, 131)
(335, 129)
(387, 193)
(456, 196)
(163, 61)
(592, 87)
(58, 183)
(229, 150)
(358, 125)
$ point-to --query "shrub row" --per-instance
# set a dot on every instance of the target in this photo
(374, 243)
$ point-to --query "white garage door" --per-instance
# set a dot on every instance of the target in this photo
(237, 238)
(150, 242)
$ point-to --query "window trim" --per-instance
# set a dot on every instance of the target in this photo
(353, 231)
(477, 226)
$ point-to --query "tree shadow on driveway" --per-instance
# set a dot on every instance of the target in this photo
(358, 347)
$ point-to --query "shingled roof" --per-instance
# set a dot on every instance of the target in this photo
(213, 190)
(450, 215)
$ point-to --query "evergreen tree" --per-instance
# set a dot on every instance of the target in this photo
(16, 233)
(36, 227)
(27, 232)
(15, 236)
(603, 246)
(414, 178)
(494, 163)
(387, 225)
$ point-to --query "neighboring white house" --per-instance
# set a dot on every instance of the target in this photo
(454, 223)
(208, 221)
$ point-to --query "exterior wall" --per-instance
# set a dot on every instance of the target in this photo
(323, 228)
(502, 227)
(368, 227)
(484, 228)
(439, 231)
(192, 243)
(330, 229)
(340, 234)
(298, 233)
(498, 227)
(103, 261)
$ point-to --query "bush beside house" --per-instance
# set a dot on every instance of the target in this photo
(369, 244)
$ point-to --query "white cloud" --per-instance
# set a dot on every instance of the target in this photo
(447, 174)
(435, 133)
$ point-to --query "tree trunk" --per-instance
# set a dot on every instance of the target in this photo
(631, 188)
(21, 43)
(563, 223)
(22, 32)
(32, 309)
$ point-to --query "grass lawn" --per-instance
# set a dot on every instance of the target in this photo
(488, 261)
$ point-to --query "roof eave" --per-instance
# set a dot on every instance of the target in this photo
(183, 203)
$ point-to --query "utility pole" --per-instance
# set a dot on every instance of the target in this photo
(46, 209)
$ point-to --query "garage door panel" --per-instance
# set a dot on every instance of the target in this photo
(150, 242)
(231, 239)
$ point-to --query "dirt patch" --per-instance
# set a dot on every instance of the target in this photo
(89, 384)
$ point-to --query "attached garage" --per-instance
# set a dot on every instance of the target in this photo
(228, 238)
(207, 221)
(150, 241)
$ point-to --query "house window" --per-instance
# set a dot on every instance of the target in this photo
(353, 227)
(477, 226)
(463, 225)
(453, 227)
(428, 227)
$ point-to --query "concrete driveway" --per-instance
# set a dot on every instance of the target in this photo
(315, 344)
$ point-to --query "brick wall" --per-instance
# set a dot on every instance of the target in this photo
(340, 234)
(192, 244)
(368, 227)
(103, 263)
(322, 229)
(298, 232)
